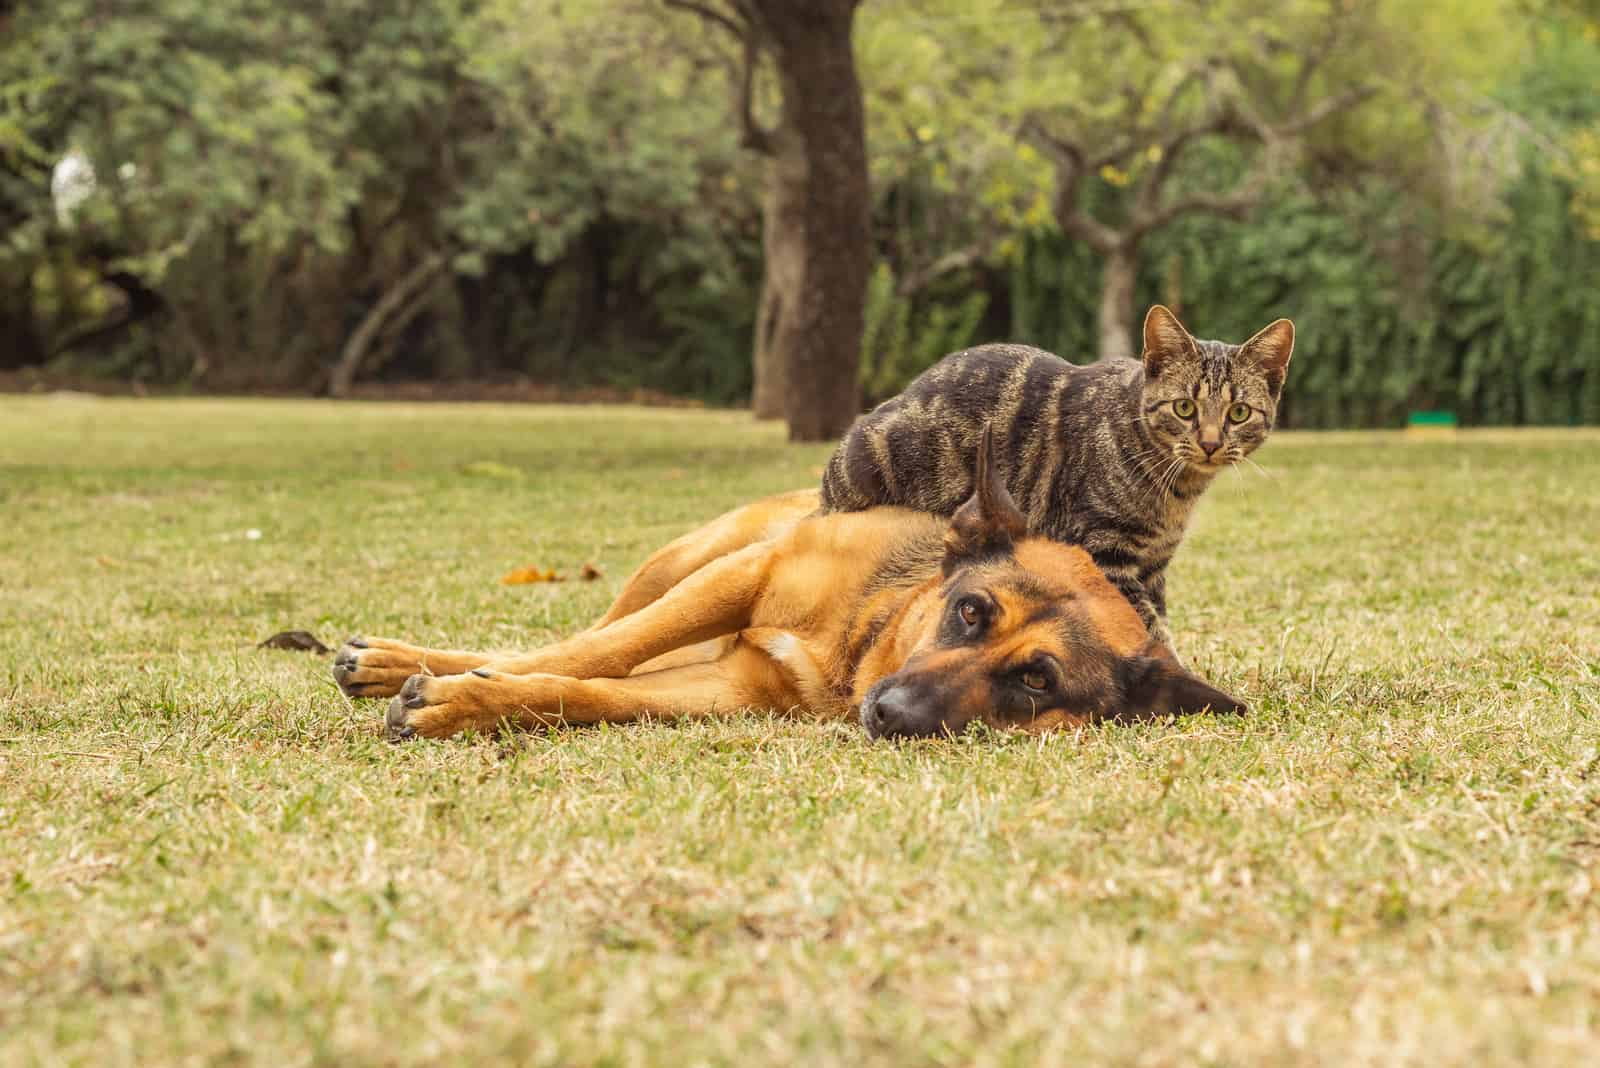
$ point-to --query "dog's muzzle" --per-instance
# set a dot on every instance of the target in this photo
(902, 708)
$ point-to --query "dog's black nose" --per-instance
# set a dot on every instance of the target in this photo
(890, 712)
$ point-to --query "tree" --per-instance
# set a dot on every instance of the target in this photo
(816, 210)
(1581, 162)
(1273, 82)
(1123, 118)
(318, 188)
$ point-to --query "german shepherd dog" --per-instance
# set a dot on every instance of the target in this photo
(918, 625)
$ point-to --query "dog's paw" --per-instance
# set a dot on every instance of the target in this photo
(437, 706)
(397, 726)
(373, 667)
(378, 667)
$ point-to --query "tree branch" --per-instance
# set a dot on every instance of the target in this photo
(743, 26)
(1328, 108)
(959, 260)
(753, 135)
(1149, 214)
(1236, 204)
(354, 353)
(1172, 150)
(710, 14)
(1070, 167)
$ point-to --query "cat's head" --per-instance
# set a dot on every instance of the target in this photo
(1209, 402)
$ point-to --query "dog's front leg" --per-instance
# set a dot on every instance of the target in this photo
(746, 676)
(716, 600)
(378, 667)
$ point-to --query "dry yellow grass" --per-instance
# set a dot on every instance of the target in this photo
(208, 856)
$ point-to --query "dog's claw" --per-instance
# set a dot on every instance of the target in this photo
(346, 662)
(396, 722)
(356, 641)
(411, 693)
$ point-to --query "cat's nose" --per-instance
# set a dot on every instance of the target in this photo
(1210, 447)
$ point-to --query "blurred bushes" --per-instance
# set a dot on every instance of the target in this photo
(268, 173)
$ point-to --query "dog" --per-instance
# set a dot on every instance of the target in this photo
(916, 625)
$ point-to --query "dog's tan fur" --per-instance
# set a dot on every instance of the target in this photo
(770, 606)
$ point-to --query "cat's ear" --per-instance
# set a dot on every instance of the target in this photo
(990, 521)
(1165, 340)
(1155, 686)
(1271, 349)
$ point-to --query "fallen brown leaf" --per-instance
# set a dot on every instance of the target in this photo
(527, 576)
(590, 572)
(302, 641)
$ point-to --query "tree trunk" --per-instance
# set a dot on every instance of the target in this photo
(780, 212)
(819, 196)
(413, 282)
(1116, 300)
(766, 393)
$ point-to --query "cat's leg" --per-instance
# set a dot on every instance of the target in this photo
(1155, 592)
(1149, 599)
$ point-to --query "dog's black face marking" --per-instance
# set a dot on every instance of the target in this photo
(1007, 651)
(1026, 637)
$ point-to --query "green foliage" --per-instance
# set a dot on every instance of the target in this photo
(1054, 284)
(1389, 319)
(902, 341)
(579, 165)
(270, 171)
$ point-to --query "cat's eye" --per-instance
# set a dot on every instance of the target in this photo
(1183, 409)
(1239, 413)
(1036, 681)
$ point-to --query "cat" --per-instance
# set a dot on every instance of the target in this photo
(1111, 456)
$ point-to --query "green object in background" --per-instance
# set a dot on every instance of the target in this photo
(1431, 424)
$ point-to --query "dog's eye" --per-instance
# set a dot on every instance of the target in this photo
(1183, 408)
(1036, 680)
(968, 612)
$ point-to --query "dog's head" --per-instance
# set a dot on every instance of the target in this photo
(1028, 634)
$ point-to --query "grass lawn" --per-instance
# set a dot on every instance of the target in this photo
(208, 855)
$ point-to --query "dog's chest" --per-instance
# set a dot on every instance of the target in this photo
(806, 671)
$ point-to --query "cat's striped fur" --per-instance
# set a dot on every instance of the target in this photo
(1111, 456)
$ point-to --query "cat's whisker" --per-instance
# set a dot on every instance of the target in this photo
(1238, 481)
(1173, 472)
(1263, 471)
(1157, 480)
(1169, 476)
(1154, 464)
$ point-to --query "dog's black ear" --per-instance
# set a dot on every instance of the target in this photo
(1155, 686)
(990, 521)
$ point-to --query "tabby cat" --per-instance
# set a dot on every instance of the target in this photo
(1111, 456)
